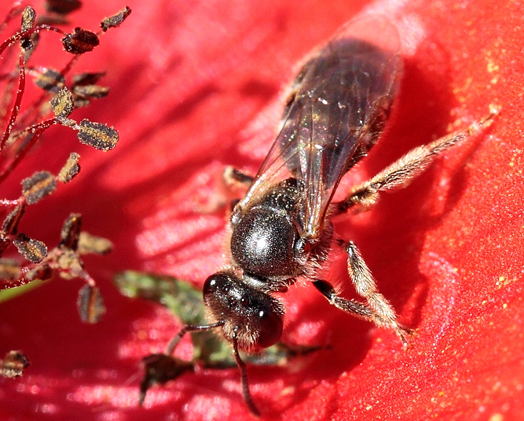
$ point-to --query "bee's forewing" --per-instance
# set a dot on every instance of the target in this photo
(339, 104)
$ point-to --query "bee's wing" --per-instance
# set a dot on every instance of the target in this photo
(339, 104)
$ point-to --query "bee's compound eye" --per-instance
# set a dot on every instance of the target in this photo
(270, 328)
(216, 282)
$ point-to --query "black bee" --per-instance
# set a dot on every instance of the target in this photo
(281, 230)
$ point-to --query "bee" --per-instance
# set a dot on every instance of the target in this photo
(282, 229)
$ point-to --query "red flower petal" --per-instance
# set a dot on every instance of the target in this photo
(195, 87)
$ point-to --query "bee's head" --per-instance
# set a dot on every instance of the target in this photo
(251, 317)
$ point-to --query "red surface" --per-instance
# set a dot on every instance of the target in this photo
(195, 86)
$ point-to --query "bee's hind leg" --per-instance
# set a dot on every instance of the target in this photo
(411, 165)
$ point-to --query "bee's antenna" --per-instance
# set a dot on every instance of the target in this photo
(245, 385)
(189, 328)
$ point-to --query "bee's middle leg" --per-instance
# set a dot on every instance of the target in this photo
(377, 308)
(230, 187)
